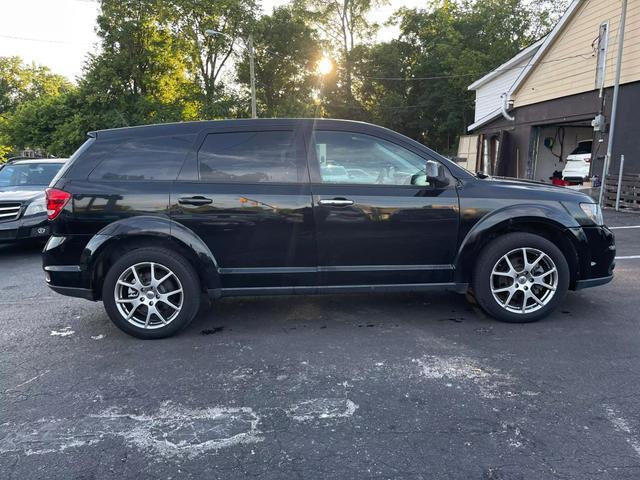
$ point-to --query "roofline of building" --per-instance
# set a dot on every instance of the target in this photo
(486, 119)
(547, 42)
(523, 54)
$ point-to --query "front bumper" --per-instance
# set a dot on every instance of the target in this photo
(593, 282)
(596, 256)
(34, 227)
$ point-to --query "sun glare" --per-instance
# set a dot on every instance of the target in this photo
(325, 66)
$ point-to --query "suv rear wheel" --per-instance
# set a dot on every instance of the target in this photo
(520, 278)
(151, 293)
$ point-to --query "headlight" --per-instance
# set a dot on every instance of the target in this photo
(593, 211)
(36, 206)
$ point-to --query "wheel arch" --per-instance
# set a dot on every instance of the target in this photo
(559, 228)
(136, 232)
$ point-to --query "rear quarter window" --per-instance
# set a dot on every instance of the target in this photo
(143, 159)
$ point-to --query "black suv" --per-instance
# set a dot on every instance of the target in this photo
(23, 212)
(148, 219)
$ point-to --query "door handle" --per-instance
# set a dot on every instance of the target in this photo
(336, 202)
(197, 200)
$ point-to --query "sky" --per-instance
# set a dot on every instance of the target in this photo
(60, 33)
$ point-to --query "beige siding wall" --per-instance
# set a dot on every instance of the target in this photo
(558, 76)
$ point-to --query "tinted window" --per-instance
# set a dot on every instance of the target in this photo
(346, 157)
(582, 148)
(249, 157)
(28, 174)
(157, 158)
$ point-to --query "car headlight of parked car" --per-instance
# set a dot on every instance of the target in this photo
(37, 206)
(593, 211)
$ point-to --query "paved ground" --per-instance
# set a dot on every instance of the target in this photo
(392, 386)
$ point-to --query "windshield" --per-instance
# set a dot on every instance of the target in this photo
(28, 174)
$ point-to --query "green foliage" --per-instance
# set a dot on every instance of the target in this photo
(441, 50)
(207, 55)
(286, 54)
(139, 76)
(344, 25)
(157, 64)
(20, 83)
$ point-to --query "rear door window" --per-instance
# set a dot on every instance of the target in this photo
(143, 159)
(250, 157)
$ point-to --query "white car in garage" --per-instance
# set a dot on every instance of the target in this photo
(578, 162)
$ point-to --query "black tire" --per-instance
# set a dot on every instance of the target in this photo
(489, 257)
(185, 274)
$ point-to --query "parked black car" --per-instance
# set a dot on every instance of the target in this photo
(149, 218)
(23, 211)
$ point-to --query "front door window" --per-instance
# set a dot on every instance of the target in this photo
(353, 158)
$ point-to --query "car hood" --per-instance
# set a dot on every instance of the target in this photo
(549, 192)
(21, 193)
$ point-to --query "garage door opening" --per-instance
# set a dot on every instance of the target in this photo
(554, 143)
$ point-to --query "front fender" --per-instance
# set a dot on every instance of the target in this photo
(150, 227)
(506, 219)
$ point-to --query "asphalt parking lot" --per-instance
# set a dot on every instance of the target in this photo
(390, 386)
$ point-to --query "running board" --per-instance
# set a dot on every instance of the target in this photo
(336, 289)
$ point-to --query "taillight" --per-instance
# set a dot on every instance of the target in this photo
(588, 159)
(56, 200)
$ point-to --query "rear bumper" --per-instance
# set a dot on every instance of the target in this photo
(85, 293)
(61, 261)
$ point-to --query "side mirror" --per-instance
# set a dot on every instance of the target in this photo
(441, 179)
(433, 175)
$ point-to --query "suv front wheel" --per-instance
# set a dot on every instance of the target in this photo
(520, 278)
(151, 293)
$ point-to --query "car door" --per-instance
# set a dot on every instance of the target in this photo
(385, 213)
(246, 193)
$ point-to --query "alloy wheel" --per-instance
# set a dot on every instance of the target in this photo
(148, 295)
(524, 280)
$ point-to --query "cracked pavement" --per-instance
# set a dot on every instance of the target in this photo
(403, 386)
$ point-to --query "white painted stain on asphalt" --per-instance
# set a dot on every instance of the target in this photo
(322, 408)
(179, 431)
(168, 432)
(63, 332)
(514, 434)
(97, 337)
(621, 425)
(490, 381)
(171, 431)
(625, 227)
(628, 257)
(33, 379)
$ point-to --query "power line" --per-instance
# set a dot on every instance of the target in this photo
(44, 40)
(584, 56)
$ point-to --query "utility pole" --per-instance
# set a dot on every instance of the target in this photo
(252, 74)
(614, 106)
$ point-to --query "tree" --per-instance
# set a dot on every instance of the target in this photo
(139, 76)
(207, 55)
(419, 82)
(344, 24)
(19, 83)
(286, 54)
(43, 123)
(22, 84)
